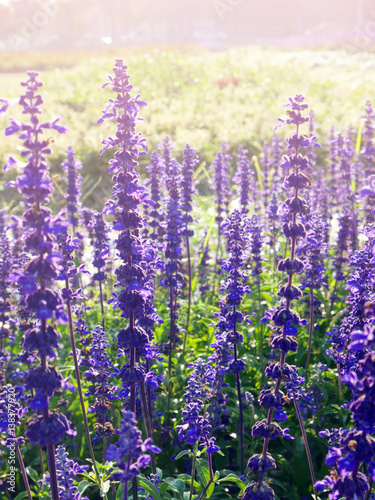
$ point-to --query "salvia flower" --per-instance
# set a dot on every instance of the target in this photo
(101, 246)
(356, 447)
(71, 166)
(243, 178)
(220, 184)
(67, 471)
(189, 163)
(135, 274)
(98, 375)
(156, 215)
(130, 452)
(285, 321)
(173, 251)
(36, 279)
(195, 427)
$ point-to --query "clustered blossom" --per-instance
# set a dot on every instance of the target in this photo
(354, 343)
(187, 187)
(129, 452)
(227, 335)
(71, 166)
(243, 178)
(173, 252)
(284, 321)
(166, 147)
(98, 374)
(314, 251)
(101, 246)
(135, 275)
(195, 427)
(256, 242)
(221, 187)
(128, 195)
(360, 284)
(41, 298)
(67, 471)
(156, 215)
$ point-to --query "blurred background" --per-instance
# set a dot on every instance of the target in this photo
(215, 24)
(211, 71)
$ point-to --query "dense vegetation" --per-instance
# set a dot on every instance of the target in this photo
(200, 340)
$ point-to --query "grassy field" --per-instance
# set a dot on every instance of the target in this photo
(194, 96)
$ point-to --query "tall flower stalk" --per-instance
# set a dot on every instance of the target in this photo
(284, 320)
(173, 252)
(101, 251)
(135, 282)
(41, 298)
(256, 249)
(230, 316)
(220, 184)
(187, 191)
(71, 166)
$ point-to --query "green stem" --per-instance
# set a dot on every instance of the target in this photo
(147, 418)
(261, 324)
(193, 470)
(311, 327)
(102, 304)
(203, 494)
(241, 422)
(307, 448)
(339, 380)
(23, 471)
(189, 292)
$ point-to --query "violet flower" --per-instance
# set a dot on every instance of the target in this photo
(71, 166)
(129, 452)
(41, 299)
(220, 184)
(133, 277)
(243, 178)
(156, 215)
(98, 374)
(67, 470)
(285, 321)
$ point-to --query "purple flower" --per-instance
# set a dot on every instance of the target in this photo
(129, 451)
(70, 166)
(67, 471)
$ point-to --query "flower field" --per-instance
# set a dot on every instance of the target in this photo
(187, 276)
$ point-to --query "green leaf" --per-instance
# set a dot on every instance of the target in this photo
(83, 485)
(120, 492)
(359, 137)
(187, 480)
(21, 495)
(234, 479)
(151, 488)
(32, 473)
(159, 472)
(183, 453)
(204, 475)
(163, 488)
(178, 485)
(255, 161)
